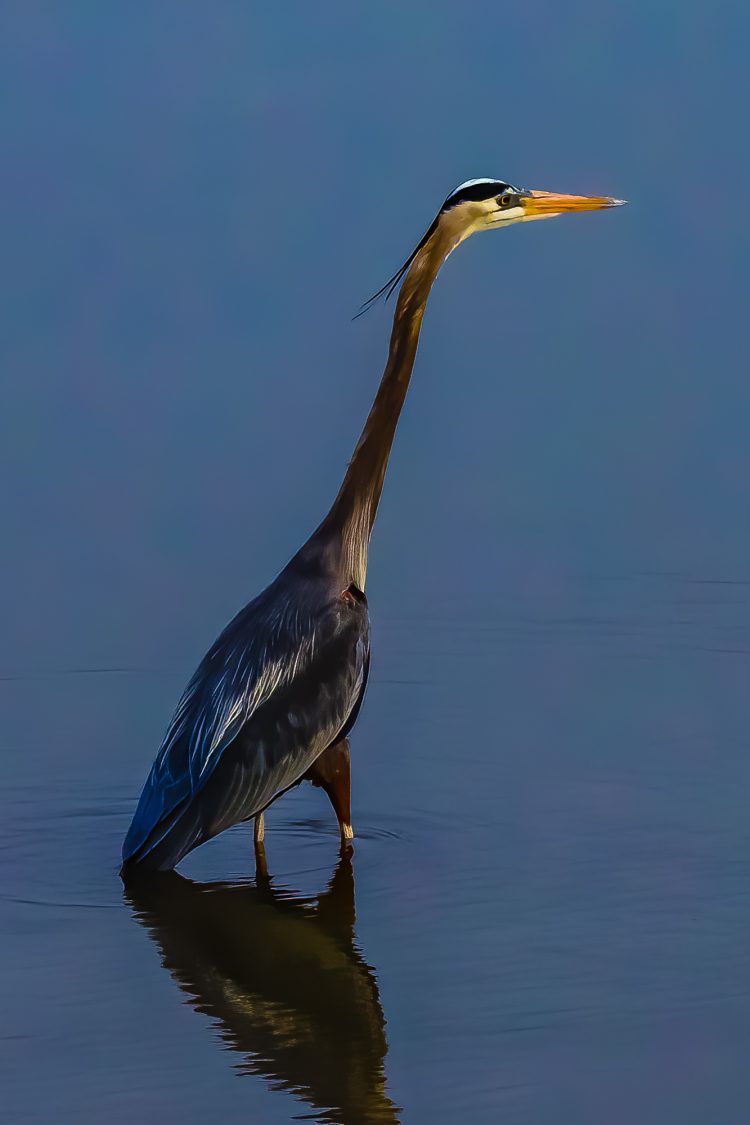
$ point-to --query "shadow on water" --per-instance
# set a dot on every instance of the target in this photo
(283, 977)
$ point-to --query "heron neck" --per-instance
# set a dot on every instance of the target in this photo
(353, 512)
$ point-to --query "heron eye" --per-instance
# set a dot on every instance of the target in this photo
(504, 200)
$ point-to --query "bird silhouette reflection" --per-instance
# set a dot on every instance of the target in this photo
(285, 981)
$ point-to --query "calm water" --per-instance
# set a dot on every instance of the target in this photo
(545, 914)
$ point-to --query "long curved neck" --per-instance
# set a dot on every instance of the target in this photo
(353, 512)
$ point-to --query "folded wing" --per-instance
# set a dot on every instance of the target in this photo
(276, 689)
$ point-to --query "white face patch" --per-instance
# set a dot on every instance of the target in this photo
(497, 217)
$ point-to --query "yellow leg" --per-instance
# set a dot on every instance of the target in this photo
(259, 828)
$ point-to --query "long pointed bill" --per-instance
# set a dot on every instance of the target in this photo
(545, 204)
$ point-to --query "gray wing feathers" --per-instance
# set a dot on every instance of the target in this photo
(265, 650)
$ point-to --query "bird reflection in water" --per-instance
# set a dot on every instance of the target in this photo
(284, 979)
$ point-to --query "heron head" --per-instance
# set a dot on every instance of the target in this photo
(488, 204)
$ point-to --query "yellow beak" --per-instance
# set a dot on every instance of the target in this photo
(545, 204)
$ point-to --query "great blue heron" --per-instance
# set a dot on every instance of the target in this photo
(274, 699)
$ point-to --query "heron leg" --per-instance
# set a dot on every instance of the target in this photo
(331, 772)
(261, 864)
